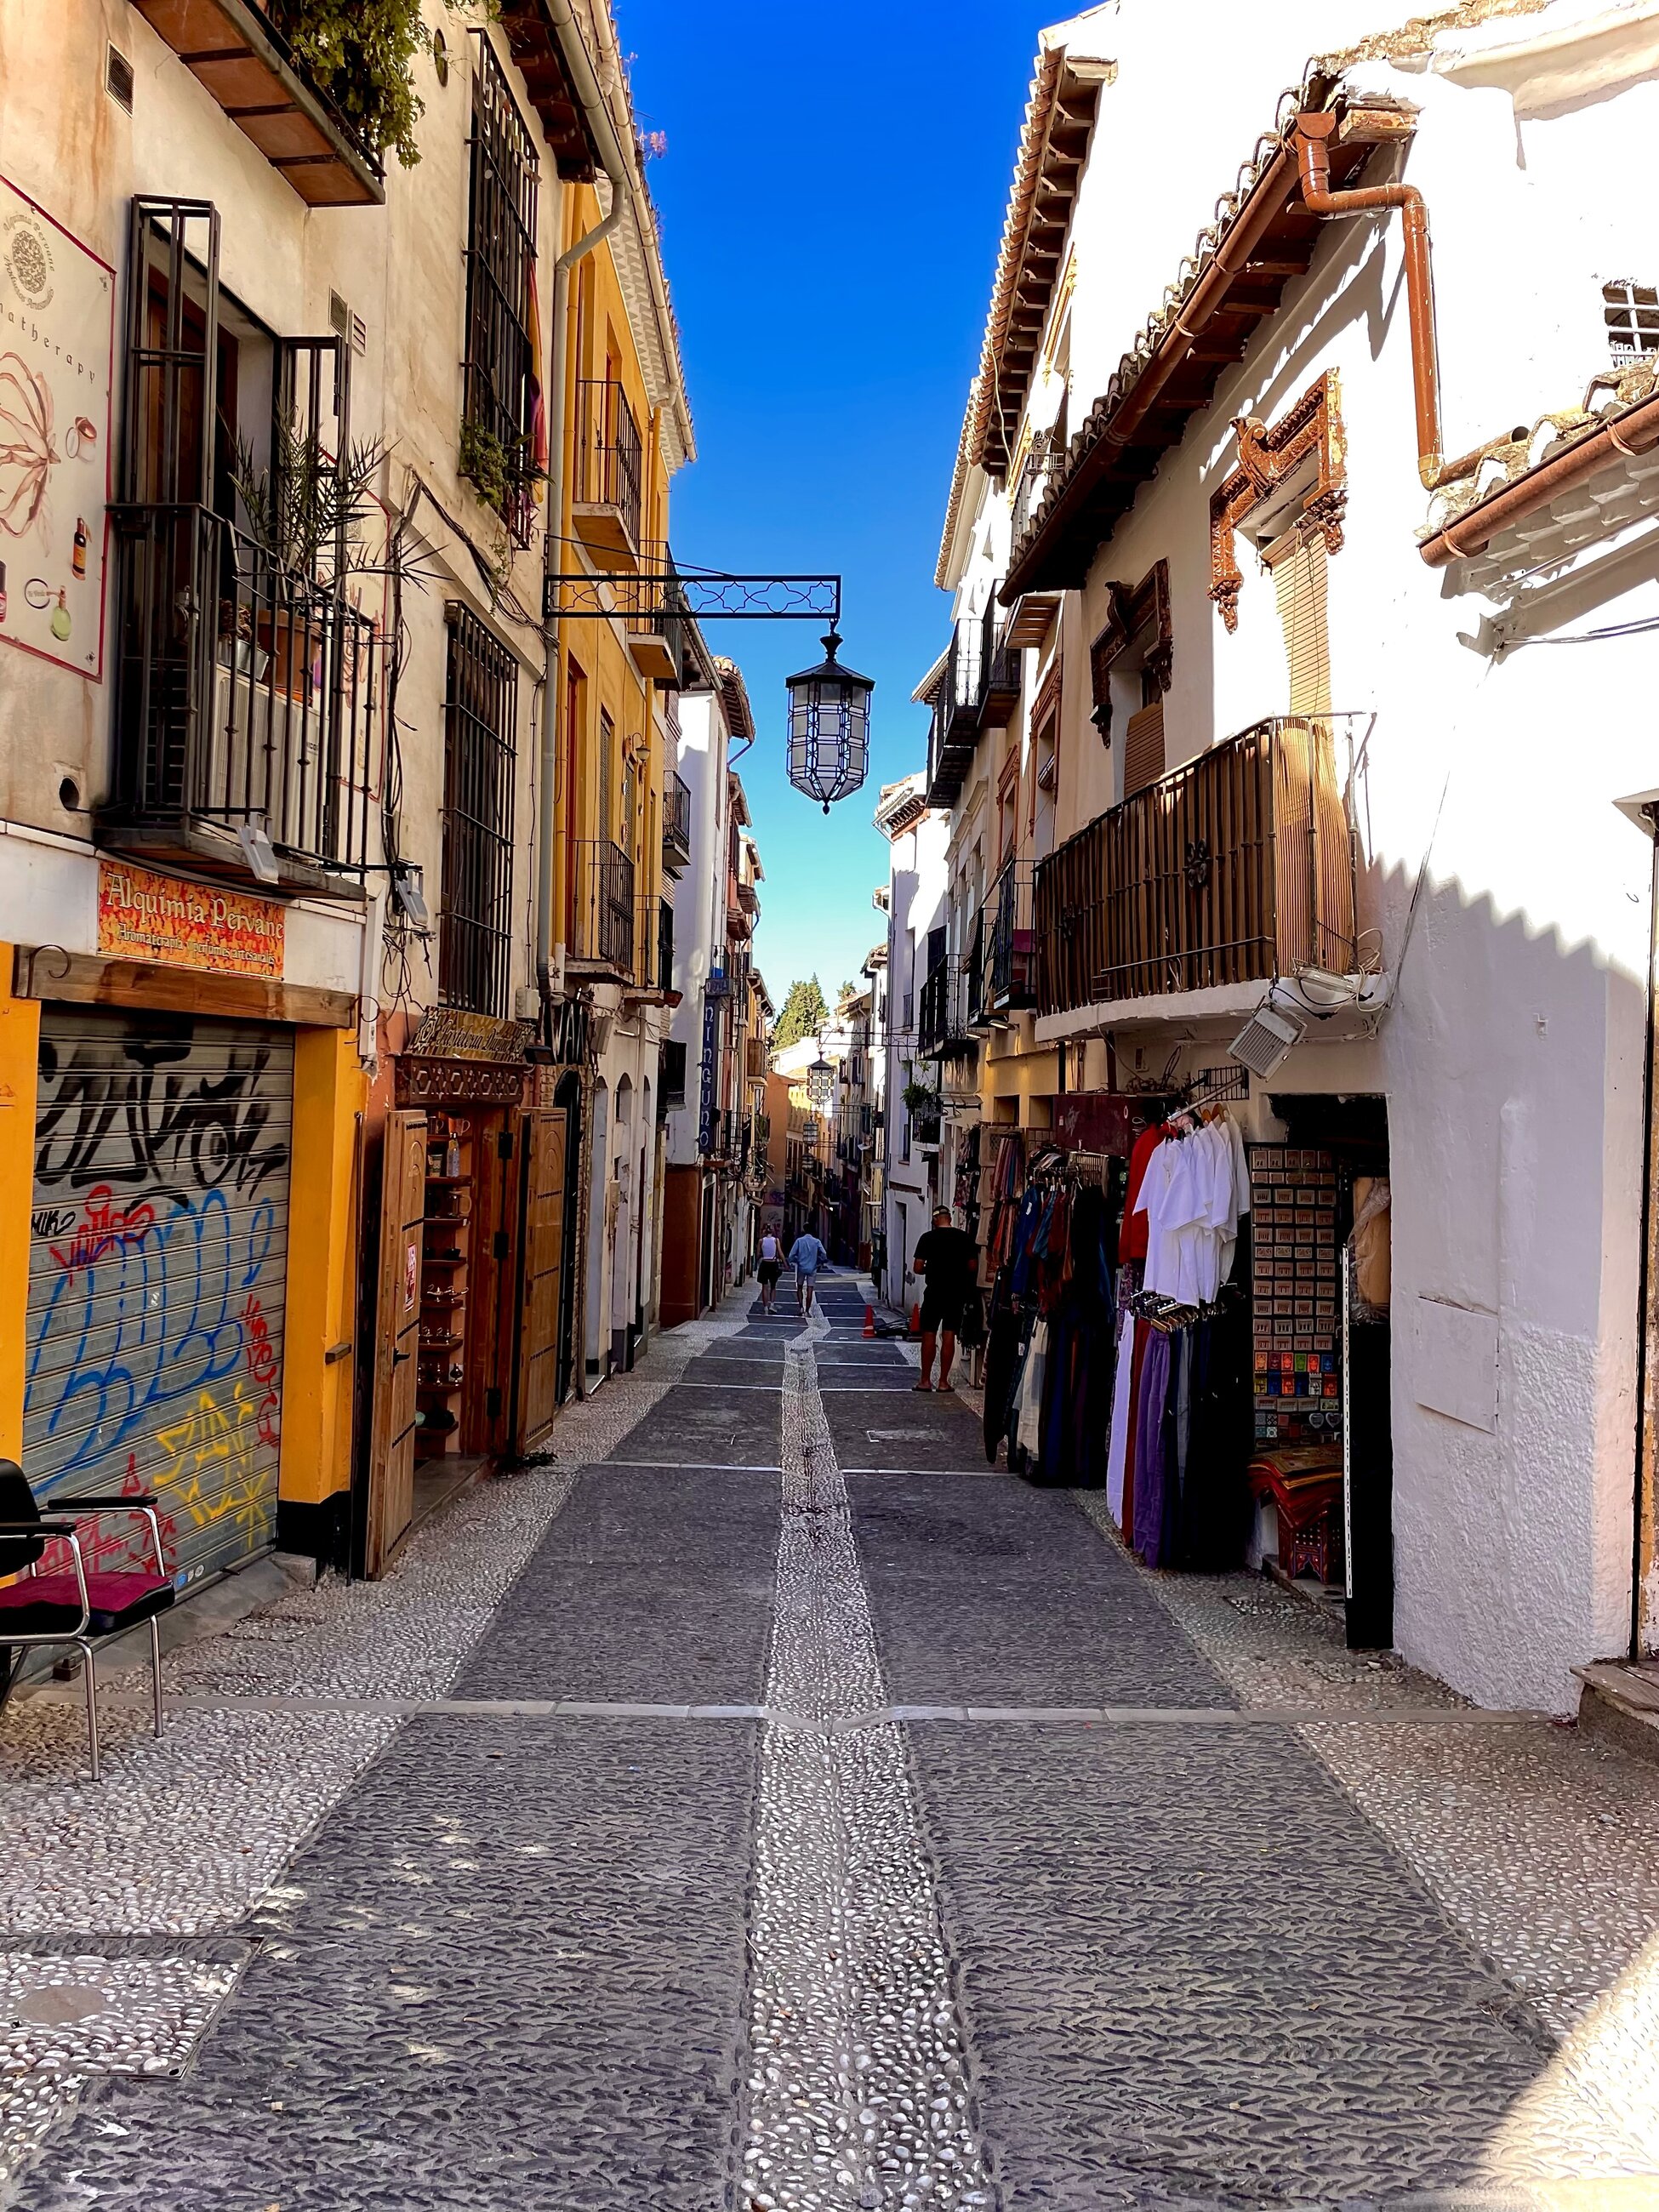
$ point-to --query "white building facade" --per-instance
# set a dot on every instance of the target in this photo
(1230, 564)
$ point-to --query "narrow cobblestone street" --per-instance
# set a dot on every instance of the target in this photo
(764, 1804)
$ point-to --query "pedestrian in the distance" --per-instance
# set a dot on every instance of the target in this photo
(946, 1258)
(806, 1256)
(771, 1267)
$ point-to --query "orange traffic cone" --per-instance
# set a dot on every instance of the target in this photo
(869, 1320)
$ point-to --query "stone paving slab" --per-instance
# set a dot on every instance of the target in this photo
(1193, 1973)
(993, 1594)
(507, 1970)
(690, 1631)
(924, 1431)
(706, 1425)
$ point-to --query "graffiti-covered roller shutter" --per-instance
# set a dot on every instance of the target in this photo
(158, 1263)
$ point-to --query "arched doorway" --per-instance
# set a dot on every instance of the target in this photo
(622, 1227)
(570, 1096)
(599, 1175)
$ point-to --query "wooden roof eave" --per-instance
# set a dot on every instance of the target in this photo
(1153, 415)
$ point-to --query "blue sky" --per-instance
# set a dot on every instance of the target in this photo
(832, 197)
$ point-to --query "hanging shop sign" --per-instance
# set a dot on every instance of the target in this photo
(142, 916)
(452, 1033)
(57, 353)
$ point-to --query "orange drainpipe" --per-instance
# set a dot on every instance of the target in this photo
(1312, 133)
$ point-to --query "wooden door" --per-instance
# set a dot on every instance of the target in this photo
(396, 1326)
(544, 1136)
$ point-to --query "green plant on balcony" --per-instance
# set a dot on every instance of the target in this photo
(359, 55)
(306, 509)
(920, 1099)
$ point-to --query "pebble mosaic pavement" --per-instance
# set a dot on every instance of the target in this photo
(754, 1808)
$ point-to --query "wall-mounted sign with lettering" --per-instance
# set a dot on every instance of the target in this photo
(145, 916)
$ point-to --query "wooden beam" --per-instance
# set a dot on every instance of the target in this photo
(89, 980)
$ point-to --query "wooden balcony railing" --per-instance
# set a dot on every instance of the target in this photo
(1236, 868)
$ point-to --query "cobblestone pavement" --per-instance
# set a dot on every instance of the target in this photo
(764, 1806)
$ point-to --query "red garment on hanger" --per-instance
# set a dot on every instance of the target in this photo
(1132, 1236)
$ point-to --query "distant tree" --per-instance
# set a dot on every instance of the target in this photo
(803, 1013)
(849, 990)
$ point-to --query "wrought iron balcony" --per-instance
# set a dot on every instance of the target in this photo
(676, 826)
(245, 696)
(941, 1026)
(1037, 471)
(1011, 953)
(609, 477)
(237, 51)
(1236, 868)
(956, 713)
(653, 946)
(653, 610)
(603, 915)
(1000, 669)
(973, 978)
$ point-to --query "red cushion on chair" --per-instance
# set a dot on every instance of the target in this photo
(44, 1605)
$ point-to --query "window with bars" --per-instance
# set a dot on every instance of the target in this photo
(480, 730)
(1631, 312)
(502, 374)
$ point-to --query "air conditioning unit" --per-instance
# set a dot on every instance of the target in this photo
(1267, 1039)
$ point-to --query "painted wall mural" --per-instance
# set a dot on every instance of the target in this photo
(56, 354)
(158, 1265)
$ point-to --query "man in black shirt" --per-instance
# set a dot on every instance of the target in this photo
(946, 1257)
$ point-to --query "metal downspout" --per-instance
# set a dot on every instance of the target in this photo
(1313, 131)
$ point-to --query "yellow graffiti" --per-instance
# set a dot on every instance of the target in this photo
(220, 1444)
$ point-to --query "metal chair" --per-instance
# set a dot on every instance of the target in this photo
(84, 1608)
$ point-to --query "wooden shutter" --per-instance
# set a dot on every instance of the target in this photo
(1299, 564)
(1143, 749)
(396, 1328)
(544, 1137)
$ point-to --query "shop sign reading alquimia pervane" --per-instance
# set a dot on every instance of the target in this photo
(145, 916)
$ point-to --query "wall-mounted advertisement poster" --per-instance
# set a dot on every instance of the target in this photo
(57, 350)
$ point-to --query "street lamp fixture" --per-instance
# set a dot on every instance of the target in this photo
(820, 1081)
(829, 728)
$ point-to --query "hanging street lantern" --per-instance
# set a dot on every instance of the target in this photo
(829, 728)
(820, 1080)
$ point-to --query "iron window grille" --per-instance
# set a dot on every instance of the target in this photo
(480, 719)
(1631, 312)
(502, 387)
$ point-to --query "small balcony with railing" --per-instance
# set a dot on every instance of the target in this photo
(245, 699)
(604, 916)
(1000, 667)
(247, 685)
(653, 949)
(248, 56)
(1011, 946)
(676, 826)
(607, 487)
(942, 1031)
(956, 702)
(1235, 870)
(653, 607)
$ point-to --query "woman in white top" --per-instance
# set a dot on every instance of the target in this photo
(771, 1267)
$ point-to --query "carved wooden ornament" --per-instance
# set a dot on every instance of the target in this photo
(1269, 457)
(1131, 611)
